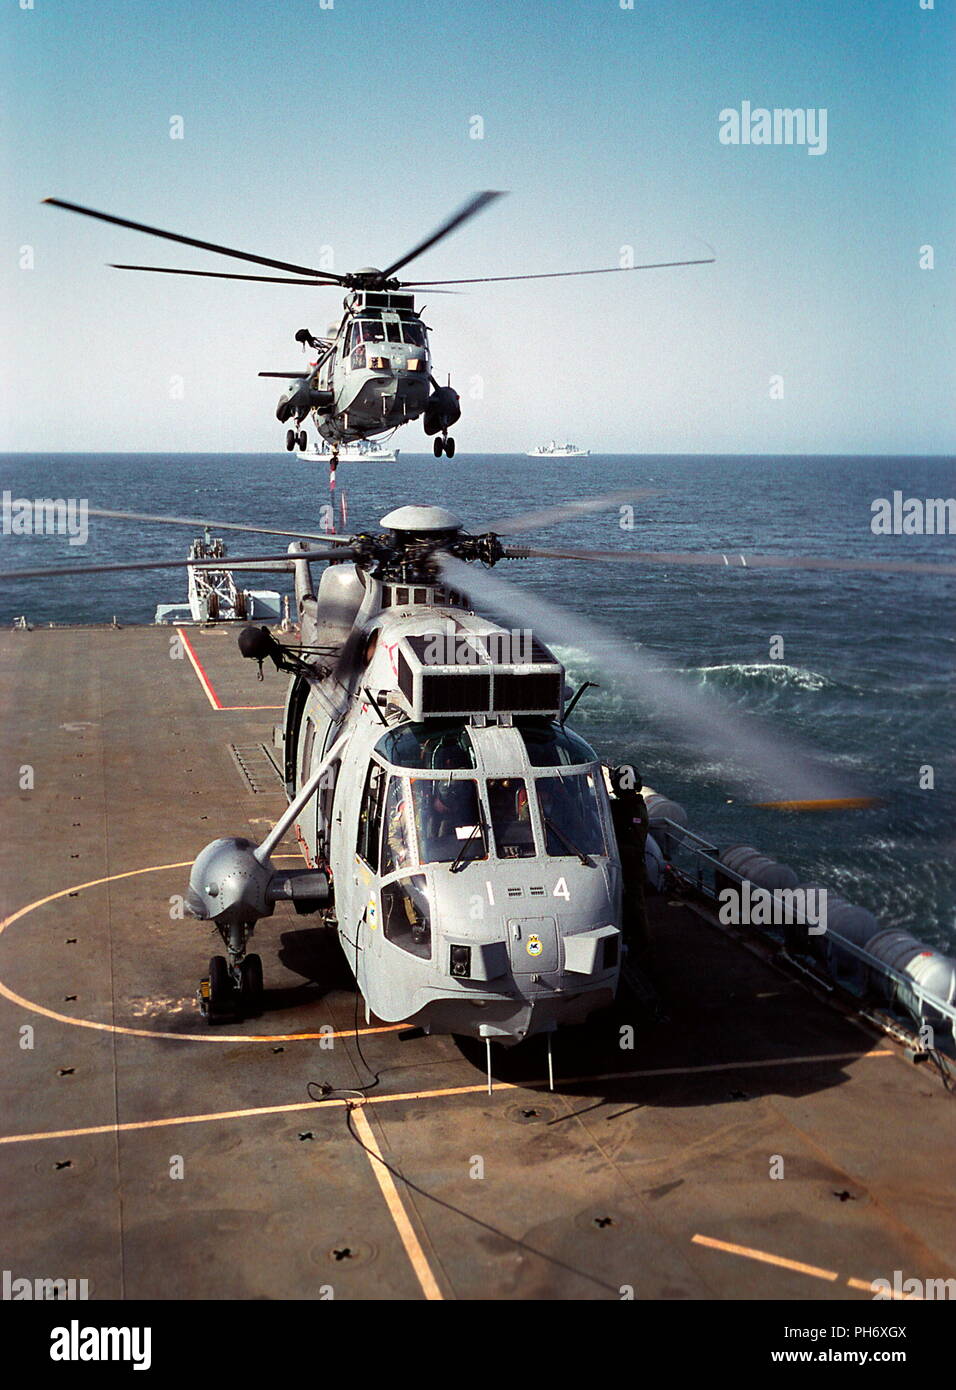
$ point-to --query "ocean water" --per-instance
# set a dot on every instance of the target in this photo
(866, 673)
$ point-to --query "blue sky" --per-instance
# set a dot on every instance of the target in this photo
(350, 127)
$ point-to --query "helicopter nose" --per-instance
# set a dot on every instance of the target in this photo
(412, 359)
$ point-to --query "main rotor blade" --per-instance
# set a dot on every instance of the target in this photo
(278, 563)
(788, 774)
(220, 526)
(227, 275)
(188, 240)
(565, 511)
(464, 213)
(558, 274)
(730, 560)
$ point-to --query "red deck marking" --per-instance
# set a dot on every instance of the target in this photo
(204, 681)
(207, 684)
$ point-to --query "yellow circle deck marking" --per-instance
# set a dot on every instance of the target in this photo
(765, 1258)
(481, 1088)
(35, 1008)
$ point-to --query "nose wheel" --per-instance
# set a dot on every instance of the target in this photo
(218, 997)
(444, 444)
(250, 986)
(233, 988)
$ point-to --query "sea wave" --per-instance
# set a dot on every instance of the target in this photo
(761, 675)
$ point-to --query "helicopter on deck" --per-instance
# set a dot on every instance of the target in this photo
(373, 372)
(458, 835)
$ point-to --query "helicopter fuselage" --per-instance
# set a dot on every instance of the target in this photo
(372, 375)
(467, 835)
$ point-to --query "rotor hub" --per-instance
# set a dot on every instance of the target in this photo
(413, 523)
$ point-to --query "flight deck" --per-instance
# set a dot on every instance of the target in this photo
(739, 1138)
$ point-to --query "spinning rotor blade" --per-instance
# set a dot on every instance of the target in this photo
(193, 241)
(791, 778)
(566, 511)
(468, 210)
(278, 564)
(227, 275)
(559, 274)
(730, 560)
(221, 526)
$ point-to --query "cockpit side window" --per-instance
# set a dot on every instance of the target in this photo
(396, 843)
(510, 817)
(370, 815)
(406, 915)
(570, 815)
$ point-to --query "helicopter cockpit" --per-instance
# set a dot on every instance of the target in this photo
(488, 863)
(442, 796)
(398, 327)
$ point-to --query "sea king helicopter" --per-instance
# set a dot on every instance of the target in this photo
(373, 372)
(457, 833)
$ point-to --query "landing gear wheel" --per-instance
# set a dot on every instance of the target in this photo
(290, 440)
(250, 985)
(303, 441)
(438, 447)
(221, 1003)
(449, 447)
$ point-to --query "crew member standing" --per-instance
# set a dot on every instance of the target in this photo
(629, 813)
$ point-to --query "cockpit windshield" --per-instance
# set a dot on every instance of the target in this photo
(569, 814)
(369, 331)
(448, 820)
(548, 745)
(414, 333)
(510, 817)
(426, 748)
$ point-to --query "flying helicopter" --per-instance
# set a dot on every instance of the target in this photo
(373, 372)
(457, 832)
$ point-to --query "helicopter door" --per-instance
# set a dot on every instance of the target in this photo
(294, 709)
(308, 743)
(325, 801)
